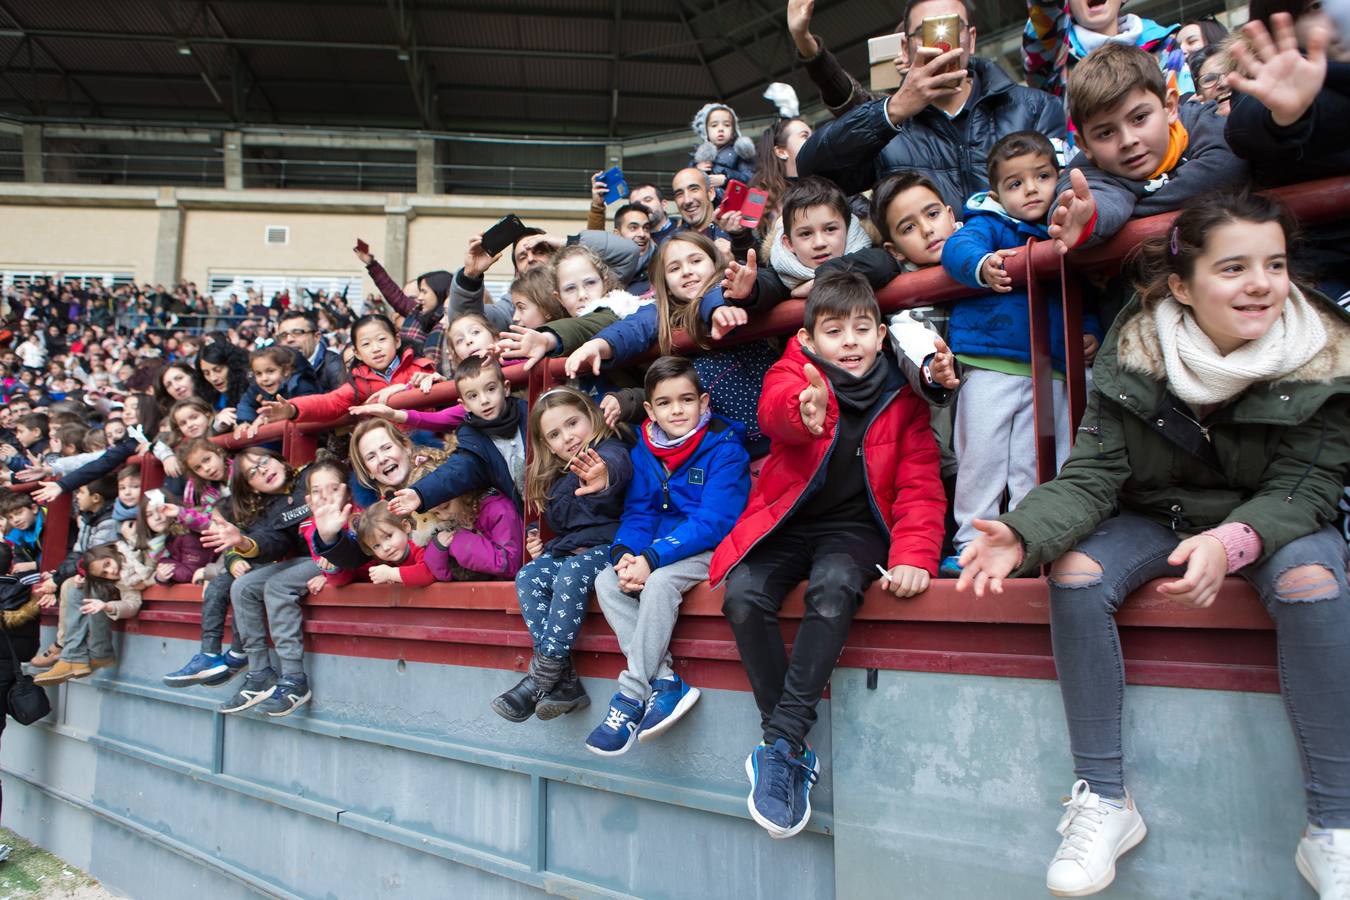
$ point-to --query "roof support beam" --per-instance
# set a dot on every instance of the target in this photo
(20, 31)
(421, 76)
(615, 45)
(241, 72)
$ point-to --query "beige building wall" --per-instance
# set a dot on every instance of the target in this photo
(69, 239)
(229, 241)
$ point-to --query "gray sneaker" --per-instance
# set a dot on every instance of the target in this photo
(257, 687)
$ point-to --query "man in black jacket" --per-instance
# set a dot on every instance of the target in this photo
(299, 330)
(947, 114)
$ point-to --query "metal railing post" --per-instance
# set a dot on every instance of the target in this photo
(1042, 376)
(1075, 377)
(297, 447)
(56, 532)
(152, 472)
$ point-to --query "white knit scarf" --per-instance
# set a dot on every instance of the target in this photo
(1129, 28)
(1199, 374)
(791, 269)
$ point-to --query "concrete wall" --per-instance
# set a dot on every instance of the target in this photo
(398, 781)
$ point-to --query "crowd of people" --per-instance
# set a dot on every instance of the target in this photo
(1216, 439)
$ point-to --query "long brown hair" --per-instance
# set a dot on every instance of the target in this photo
(672, 313)
(248, 503)
(545, 468)
(1175, 253)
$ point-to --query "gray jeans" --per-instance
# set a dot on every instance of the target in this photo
(1313, 638)
(643, 623)
(215, 604)
(268, 597)
(86, 635)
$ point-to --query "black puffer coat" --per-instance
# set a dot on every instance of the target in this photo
(861, 147)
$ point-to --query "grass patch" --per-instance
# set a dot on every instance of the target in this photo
(34, 873)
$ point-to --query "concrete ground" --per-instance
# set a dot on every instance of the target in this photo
(34, 874)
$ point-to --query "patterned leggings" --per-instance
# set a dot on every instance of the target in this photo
(553, 593)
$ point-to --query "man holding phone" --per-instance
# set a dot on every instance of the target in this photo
(949, 111)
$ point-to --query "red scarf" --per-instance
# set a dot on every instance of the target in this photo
(674, 457)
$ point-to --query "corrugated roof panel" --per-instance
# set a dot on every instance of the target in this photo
(666, 78)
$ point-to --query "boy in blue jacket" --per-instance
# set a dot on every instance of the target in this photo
(491, 452)
(691, 479)
(991, 335)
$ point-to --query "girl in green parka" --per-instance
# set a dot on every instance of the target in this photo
(1216, 441)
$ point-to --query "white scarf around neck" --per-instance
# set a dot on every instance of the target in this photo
(791, 269)
(1199, 374)
(1128, 29)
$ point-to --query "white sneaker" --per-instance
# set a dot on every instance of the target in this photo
(1097, 832)
(1323, 857)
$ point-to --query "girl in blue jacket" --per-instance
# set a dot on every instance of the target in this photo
(577, 478)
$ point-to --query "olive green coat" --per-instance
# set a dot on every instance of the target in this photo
(1275, 458)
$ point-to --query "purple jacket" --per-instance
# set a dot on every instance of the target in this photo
(493, 547)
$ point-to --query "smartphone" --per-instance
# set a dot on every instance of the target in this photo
(505, 233)
(618, 188)
(734, 199)
(940, 32)
(362, 246)
(753, 208)
(881, 53)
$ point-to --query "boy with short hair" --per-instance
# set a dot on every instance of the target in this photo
(851, 483)
(1142, 151)
(94, 508)
(914, 220)
(127, 504)
(991, 334)
(24, 531)
(491, 451)
(691, 475)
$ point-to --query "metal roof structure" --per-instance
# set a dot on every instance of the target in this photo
(593, 67)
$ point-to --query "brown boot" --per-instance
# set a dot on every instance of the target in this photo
(62, 672)
(103, 663)
(47, 658)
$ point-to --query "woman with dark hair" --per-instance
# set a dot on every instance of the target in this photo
(179, 381)
(1215, 442)
(776, 166)
(224, 369)
(1199, 34)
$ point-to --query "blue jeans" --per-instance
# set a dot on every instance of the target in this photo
(1312, 622)
(552, 592)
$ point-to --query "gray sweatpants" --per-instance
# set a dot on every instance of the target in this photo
(995, 439)
(268, 597)
(86, 635)
(643, 624)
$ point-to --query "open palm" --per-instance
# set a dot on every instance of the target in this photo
(1276, 72)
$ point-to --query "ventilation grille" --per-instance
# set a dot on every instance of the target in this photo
(277, 234)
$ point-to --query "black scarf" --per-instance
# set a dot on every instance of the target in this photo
(506, 425)
(858, 393)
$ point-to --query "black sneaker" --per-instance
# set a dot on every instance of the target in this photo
(257, 687)
(291, 693)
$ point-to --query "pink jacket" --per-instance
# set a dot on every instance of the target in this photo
(493, 547)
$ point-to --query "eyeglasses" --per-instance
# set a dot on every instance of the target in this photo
(295, 332)
(1210, 80)
(257, 467)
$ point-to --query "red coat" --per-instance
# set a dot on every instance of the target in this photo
(364, 382)
(899, 455)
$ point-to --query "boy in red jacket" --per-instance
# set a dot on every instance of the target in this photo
(850, 489)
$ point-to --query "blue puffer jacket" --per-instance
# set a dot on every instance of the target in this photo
(997, 324)
(582, 522)
(729, 163)
(670, 517)
(475, 464)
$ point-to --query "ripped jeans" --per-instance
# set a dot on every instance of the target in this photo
(1311, 610)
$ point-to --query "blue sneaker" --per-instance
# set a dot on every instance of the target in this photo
(780, 787)
(257, 687)
(617, 733)
(290, 693)
(234, 664)
(200, 668)
(671, 699)
(950, 567)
